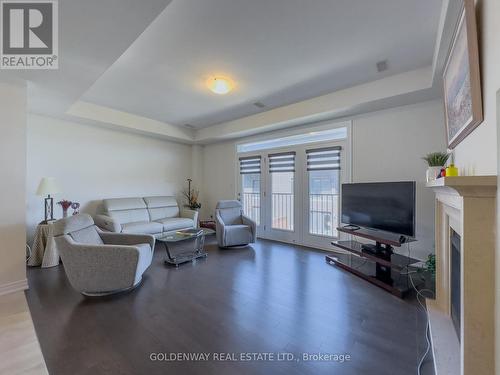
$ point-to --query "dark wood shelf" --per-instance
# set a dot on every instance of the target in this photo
(395, 260)
(375, 235)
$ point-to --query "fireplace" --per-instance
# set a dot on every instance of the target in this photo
(455, 293)
(462, 317)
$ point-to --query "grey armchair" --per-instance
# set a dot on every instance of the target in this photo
(99, 263)
(233, 228)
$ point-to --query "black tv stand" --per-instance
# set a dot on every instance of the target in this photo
(379, 249)
(376, 263)
(351, 227)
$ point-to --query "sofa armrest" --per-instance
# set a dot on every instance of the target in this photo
(107, 223)
(127, 239)
(253, 226)
(190, 214)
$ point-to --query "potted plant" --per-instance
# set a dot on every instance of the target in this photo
(436, 161)
(428, 273)
(430, 265)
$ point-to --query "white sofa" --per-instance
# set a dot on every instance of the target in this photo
(147, 215)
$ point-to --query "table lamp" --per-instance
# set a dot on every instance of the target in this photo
(47, 187)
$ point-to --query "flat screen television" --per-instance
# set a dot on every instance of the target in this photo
(386, 206)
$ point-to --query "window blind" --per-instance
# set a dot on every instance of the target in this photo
(321, 159)
(282, 162)
(250, 164)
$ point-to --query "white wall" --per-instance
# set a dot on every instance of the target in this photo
(478, 152)
(12, 181)
(387, 145)
(92, 163)
(219, 175)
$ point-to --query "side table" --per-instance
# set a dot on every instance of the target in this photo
(209, 224)
(44, 250)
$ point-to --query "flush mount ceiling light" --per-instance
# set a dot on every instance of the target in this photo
(219, 85)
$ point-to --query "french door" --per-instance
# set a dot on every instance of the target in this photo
(250, 189)
(293, 193)
(321, 203)
(282, 220)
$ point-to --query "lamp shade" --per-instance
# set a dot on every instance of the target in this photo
(47, 186)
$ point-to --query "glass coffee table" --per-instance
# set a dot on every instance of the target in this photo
(184, 239)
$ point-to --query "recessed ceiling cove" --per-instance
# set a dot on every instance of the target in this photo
(276, 51)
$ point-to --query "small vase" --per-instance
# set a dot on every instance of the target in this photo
(452, 170)
(65, 214)
(433, 173)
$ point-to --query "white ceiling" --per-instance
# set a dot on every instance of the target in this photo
(278, 52)
(93, 34)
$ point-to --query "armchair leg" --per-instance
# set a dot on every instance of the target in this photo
(235, 246)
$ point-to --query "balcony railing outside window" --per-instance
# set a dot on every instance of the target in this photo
(323, 214)
(251, 206)
(282, 204)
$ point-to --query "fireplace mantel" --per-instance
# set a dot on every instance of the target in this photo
(466, 204)
(466, 186)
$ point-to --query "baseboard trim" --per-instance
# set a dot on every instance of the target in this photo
(12, 287)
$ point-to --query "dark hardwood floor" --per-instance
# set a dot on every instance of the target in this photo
(269, 298)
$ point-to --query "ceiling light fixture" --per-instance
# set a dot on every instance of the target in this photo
(219, 85)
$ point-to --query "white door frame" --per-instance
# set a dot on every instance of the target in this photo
(313, 240)
(281, 234)
(263, 168)
(301, 234)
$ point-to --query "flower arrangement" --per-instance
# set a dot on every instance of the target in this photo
(191, 196)
(65, 204)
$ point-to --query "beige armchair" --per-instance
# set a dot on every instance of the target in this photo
(99, 263)
(233, 227)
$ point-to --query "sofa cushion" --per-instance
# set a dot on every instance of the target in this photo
(161, 207)
(130, 216)
(163, 212)
(161, 201)
(118, 204)
(72, 224)
(231, 216)
(176, 223)
(228, 204)
(87, 235)
(142, 227)
(238, 235)
(126, 210)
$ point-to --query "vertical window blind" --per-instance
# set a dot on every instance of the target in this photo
(321, 159)
(282, 162)
(250, 164)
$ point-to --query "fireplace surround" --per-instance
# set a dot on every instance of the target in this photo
(465, 217)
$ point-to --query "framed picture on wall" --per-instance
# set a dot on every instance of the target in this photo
(462, 81)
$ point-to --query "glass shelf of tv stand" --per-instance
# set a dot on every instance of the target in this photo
(389, 272)
(394, 260)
